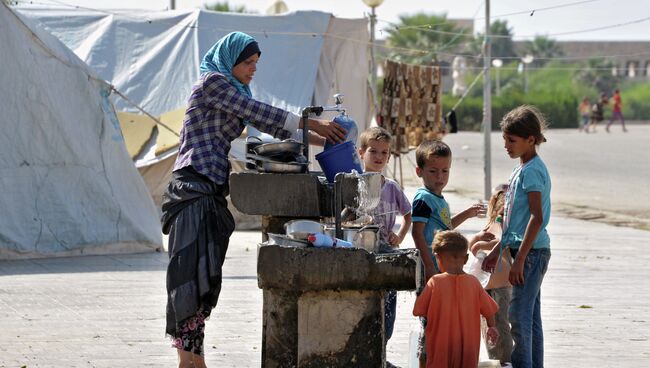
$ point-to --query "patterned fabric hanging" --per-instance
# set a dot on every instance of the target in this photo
(411, 104)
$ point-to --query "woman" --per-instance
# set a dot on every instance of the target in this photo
(195, 213)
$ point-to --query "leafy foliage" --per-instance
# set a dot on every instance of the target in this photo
(225, 7)
(556, 87)
(542, 47)
(501, 47)
(430, 33)
(598, 74)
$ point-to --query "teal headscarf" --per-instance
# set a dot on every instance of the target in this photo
(222, 56)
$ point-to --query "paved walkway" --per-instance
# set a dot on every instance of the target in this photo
(108, 311)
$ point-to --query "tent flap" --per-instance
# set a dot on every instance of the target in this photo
(69, 185)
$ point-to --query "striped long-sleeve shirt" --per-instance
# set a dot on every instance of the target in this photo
(213, 119)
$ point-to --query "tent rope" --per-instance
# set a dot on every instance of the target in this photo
(113, 89)
(51, 52)
(467, 90)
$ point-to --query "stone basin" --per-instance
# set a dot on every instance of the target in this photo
(305, 195)
(324, 307)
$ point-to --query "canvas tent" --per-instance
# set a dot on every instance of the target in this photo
(68, 184)
(153, 58)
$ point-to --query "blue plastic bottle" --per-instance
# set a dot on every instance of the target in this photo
(350, 125)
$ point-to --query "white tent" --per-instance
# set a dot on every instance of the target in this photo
(68, 184)
(153, 58)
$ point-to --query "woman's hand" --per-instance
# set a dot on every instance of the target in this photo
(329, 130)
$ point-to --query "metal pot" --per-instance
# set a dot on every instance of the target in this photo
(287, 146)
(281, 167)
(268, 165)
(366, 237)
(300, 229)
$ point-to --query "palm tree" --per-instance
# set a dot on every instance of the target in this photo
(427, 33)
(543, 48)
(502, 46)
(225, 7)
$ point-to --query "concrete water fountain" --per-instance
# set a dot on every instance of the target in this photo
(322, 307)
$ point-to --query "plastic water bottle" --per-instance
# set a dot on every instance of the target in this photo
(476, 270)
(326, 241)
(350, 125)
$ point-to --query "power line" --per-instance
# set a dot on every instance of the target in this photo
(426, 28)
(531, 11)
(382, 46)
(527, 12)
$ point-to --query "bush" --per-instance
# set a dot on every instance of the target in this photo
(560, 109)
(635, 101)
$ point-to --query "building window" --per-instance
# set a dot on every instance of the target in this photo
(647, 68)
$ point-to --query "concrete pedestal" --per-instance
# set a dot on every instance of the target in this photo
(324, 307)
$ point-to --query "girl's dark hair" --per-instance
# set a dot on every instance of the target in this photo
(525, 121)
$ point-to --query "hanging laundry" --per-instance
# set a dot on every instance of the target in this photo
(411, 104)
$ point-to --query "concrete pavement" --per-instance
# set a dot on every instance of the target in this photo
(108, 311)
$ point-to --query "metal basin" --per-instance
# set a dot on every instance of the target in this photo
(300, 229)
(366, 237)
(287, 146)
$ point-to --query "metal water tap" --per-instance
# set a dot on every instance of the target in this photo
(318, 110)
(338, 102)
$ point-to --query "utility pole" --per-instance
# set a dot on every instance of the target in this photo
(487, 105)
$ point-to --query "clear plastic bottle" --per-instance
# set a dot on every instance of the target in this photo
(476, 270)
(326, 241)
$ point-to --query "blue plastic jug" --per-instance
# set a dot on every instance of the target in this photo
(350, 125)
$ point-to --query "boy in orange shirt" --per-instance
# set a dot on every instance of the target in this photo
(453, 302)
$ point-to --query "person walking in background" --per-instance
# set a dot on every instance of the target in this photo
(598, 111)
(584, 109)
(617, 111)
(453, 303)
(498, 286)
(374, 151)
(194, 208)
(527, 213)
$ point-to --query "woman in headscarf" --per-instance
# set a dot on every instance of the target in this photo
(195, 213)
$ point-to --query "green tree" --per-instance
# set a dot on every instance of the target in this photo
(598, 74)
(542, 48)
(225, 7)
(429, 33)
(502, 46)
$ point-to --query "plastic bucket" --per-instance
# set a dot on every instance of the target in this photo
(342, 157)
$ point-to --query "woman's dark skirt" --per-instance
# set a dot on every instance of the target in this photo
(199, 224)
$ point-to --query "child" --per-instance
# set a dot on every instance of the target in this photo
(374, 150)
(453, 303)
(431, 211)
(498, 286)
(527, 212)
(617, 112)
(584, 109)
(598, 112)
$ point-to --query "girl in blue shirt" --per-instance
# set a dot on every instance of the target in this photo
(527, 212)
